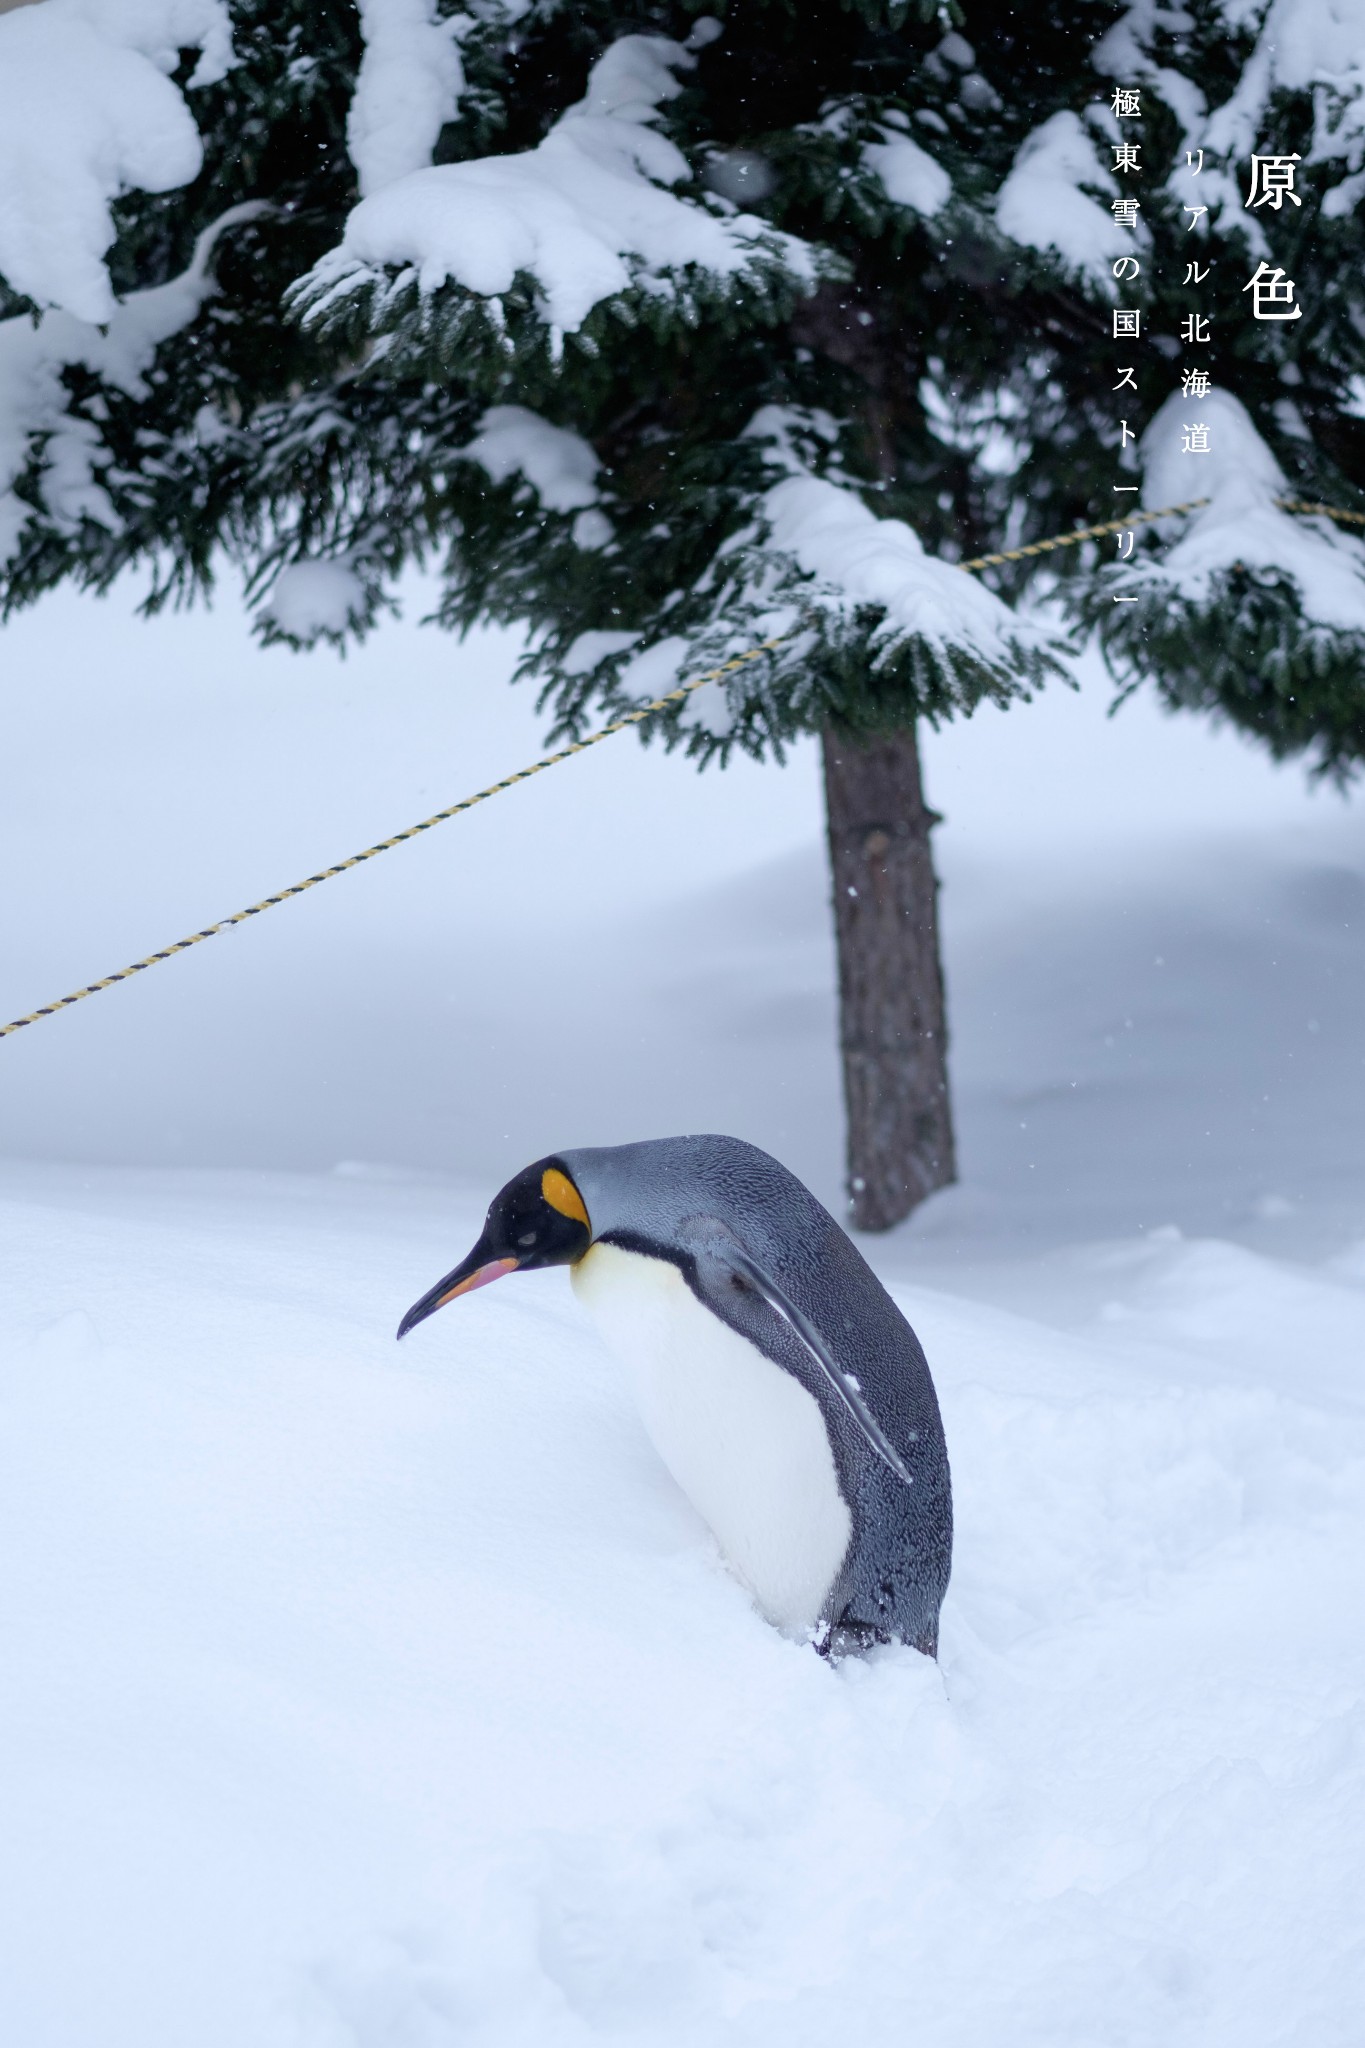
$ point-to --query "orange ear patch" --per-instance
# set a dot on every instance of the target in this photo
(561, 1194)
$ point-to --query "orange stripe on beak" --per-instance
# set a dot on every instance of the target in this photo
(484, 1277)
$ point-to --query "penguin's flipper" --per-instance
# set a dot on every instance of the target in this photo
(721, 1246)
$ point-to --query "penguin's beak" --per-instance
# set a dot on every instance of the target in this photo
(476, 1271)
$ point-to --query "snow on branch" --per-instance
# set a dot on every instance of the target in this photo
(1045, 202)
(1242, 525)
(586, 217)
(35, 419)
(88, 111)
(1314, 46)
(873, 631)
(559, 466)
(1309, 46)
(314, 600)
(909, 176)
(409, 86)
(856, 561)
(1251, 612)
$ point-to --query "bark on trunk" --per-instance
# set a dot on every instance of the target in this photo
(891, 1021)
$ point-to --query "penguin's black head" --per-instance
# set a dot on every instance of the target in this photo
(539, 1219)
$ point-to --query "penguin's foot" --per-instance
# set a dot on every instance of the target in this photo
(847, 1637)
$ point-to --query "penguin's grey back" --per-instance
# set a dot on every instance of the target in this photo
(662, 1196)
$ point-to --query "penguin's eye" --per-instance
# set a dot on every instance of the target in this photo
(529, 1238)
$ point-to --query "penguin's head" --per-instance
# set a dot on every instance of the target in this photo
(538, 1219)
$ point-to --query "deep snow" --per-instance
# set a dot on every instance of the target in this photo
(366, 1697)
(395, 1698)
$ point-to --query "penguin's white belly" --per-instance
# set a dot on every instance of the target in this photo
(744, 1440)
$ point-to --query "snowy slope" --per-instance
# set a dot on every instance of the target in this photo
(395, 1699)
(366, 1697)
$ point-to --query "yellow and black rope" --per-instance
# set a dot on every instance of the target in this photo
(636, 717)
(1080, 533)
(467, 803)
(1120, 525)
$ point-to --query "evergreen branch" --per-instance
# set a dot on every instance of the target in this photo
(1246, 653)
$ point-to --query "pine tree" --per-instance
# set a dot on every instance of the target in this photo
(672, 329)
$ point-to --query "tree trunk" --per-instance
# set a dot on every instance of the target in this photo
(891, 1023)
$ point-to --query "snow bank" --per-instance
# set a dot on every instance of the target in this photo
(360, 1695)
(1044, 203)
(585, 213)
(87, 111)
(1242, 523)
(365, 1695)
(409, 86)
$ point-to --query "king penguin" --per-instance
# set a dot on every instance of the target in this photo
(777, 1379)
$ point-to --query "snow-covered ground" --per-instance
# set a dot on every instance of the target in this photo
(358, 1697)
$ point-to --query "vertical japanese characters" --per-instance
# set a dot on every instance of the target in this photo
(1273, 295)
(1126, 105)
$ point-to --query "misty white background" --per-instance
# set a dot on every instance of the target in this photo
(1152, 934)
